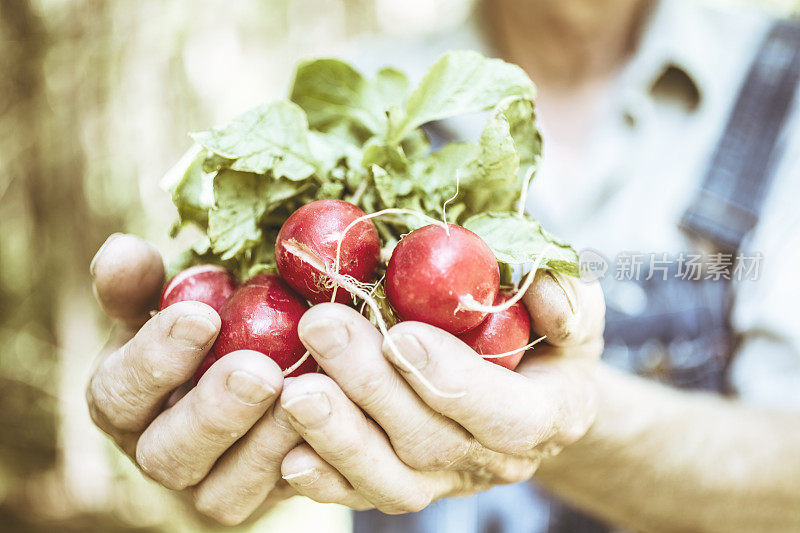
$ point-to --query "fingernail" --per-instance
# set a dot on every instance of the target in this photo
(194, 331)
(326, 336)
(304, 478)
(309, 410)
(110, 238)
(249, 389)
(411, 350)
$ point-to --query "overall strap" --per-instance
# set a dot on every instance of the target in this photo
(735, 185)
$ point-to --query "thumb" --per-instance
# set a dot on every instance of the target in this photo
(565, 309)
(128, 274)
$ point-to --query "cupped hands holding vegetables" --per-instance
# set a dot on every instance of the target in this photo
(415, 446)
(336, 197)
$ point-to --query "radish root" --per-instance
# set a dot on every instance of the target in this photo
(297, 364)
(506, 354)
(526, 183)
(383, 212)
(371, 292)
(357, 290)
(470, 304)
(444, 205)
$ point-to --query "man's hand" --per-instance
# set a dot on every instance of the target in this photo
(225, 438)
(415, 446)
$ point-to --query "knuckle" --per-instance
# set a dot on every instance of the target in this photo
(162, 467)
(374, 390)
(409, 503)
(519, 443)
(264, 455)
(95, 413)
(464, 484)
(112, 404)
(211, 422)
(526, 472)
(345, 452)
(456, 454)
(97, 398)
(214, 431)
(436, 455)
(146, 460)
(507, 472)
(437, 446)
(213, 507)
(413, 458)
(98, 419)
(522, 436)
(154, 370)
(321, 492)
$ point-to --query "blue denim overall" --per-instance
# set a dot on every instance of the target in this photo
(682, 336)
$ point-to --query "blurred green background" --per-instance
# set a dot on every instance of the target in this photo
(96, 98)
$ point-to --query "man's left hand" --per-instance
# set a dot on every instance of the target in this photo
(376, 436)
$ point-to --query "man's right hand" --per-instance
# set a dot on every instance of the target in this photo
(224, 438)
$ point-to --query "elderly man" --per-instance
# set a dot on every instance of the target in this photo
(670, 130)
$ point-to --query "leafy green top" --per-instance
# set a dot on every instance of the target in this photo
(342, 135)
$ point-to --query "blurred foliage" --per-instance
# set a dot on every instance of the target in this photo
(96, 98)
(95, 101)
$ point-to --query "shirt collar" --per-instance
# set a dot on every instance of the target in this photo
(678, 37)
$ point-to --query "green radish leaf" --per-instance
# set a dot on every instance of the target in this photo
(242, 199)
(521, 117)
(332, 148)
(191, 188)
(330, 189)
(197, 254)
(392, 87)
(517, 239)
(240, 204)
(331, 92)
(344, 135)
(493, 182)
(270, 138)
(385, 186)
(458, 83)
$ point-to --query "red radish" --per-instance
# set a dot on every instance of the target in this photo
(262, 315)
(501, 332)
(210, 284)
(430, 272)
(307, 243)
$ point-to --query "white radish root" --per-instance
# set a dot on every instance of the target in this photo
(365, 291)
(383, 212)
(392, 346)
(297, 364)
(357, 289)
(470, 304)
(444, 205)
(512, 352)
(526, 183)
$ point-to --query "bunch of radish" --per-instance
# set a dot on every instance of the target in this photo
(330, 250)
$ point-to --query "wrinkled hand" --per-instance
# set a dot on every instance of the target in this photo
(415, 447)
(224, 438)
